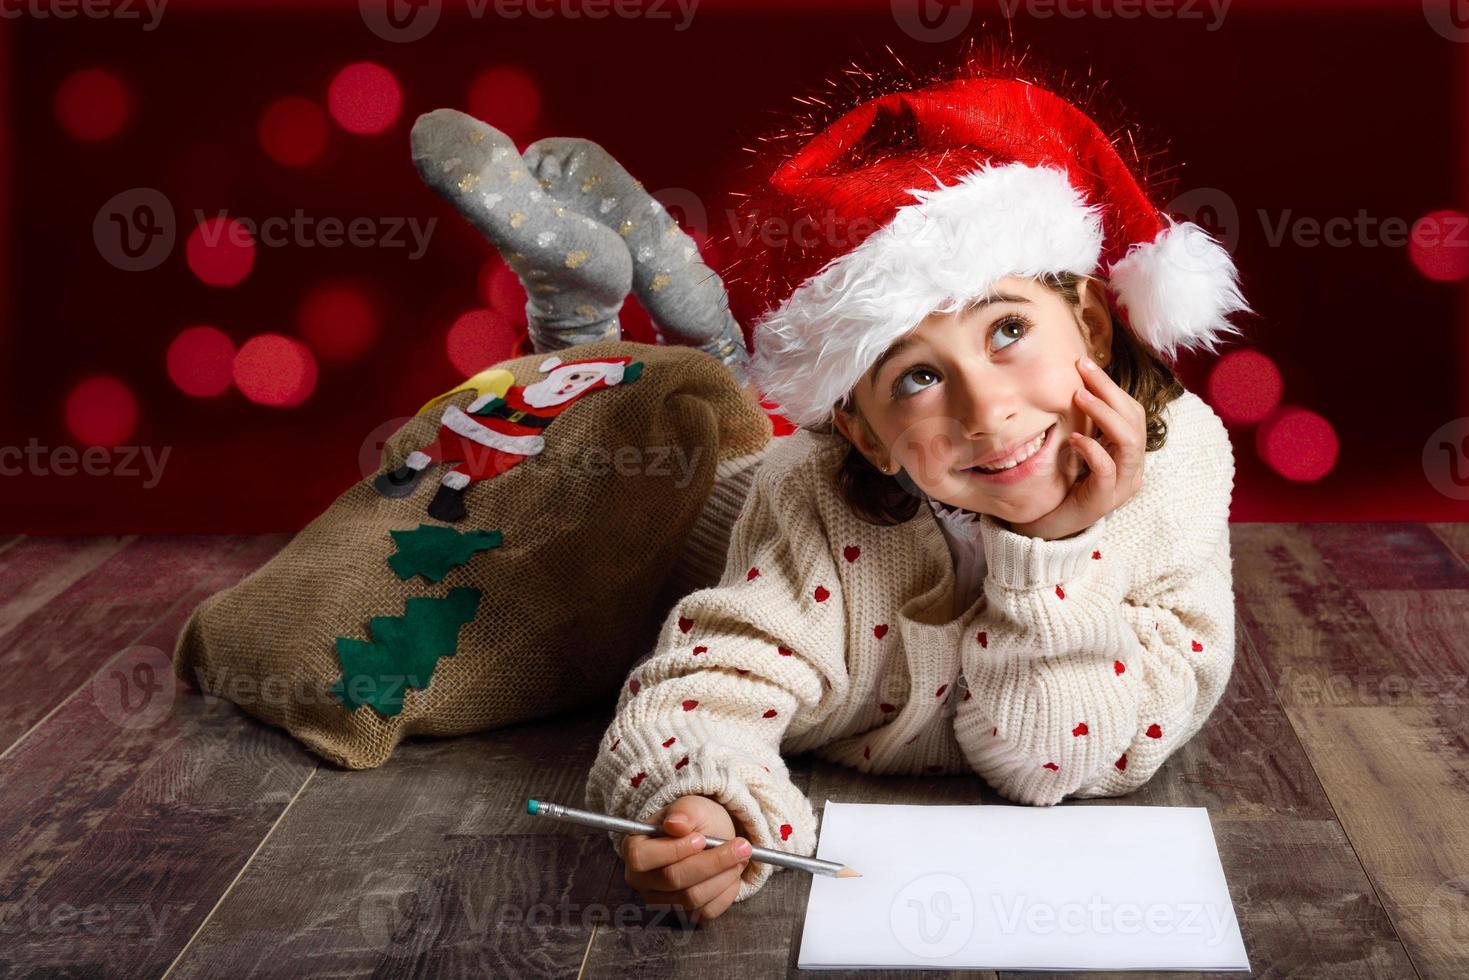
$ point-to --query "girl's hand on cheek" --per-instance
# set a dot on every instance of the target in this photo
(1115, 459)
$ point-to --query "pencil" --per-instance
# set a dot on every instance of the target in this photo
(608, 822)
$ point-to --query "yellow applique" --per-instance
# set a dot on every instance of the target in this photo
(494, 381)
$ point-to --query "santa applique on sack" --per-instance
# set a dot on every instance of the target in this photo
(501, 429)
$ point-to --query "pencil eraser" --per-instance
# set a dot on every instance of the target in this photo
(530, 806)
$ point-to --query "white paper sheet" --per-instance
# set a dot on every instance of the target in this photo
(1017, 887)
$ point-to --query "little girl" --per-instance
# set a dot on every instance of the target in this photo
(998, 542)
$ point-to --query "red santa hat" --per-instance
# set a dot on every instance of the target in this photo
(919, 202)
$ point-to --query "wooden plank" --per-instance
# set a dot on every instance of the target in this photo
(1399, 777)
(1397, 555)
(36, 571)
(135, 803)
(58, 647)
(425, 866)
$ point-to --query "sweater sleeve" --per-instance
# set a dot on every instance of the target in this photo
(1080, 685)
(737, 668)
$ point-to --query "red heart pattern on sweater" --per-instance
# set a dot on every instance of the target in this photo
(821, 594)
(1121, 763)
(1060, 592)
(850, 552)
(940, 692)
(785, 831)
(769, 713)
(1096, 556)
(615, 744)
(885, 707)
(783, 651)
(1080, 729)
(1051, 766)
(634, 685)
(638, 779)
(690, 705)
(700, 649)
(670, 741)
(984, 639)
(968, 694)
(1118, 666)
(1198, 647)
(751, 574)
(1154, 731)
(866, 751)
(681, 763)
(880, 630)
(685, 624)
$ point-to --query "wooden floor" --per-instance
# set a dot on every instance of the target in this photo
(147, 831)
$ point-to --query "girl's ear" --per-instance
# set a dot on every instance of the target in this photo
(1095, 310)
(854, 427)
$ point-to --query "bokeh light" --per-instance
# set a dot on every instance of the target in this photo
(101, 411)
(338, 321)
(1244, 386)
(1298, 444)
(364, 98)
(293, 131)
(272, 369)
(501, 290)
(479, 339)
(506, 98)
(92, 104)
(201, 361)
(220, 252)
(1439, 245)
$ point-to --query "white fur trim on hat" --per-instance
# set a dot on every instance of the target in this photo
(949, 249)
(936, 255)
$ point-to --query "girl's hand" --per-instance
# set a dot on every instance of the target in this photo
(676, 871)
(1116, 464)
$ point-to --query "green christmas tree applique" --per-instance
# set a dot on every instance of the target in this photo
(432, 550)
(403, 650)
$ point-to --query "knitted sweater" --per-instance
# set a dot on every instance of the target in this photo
(1081, 667)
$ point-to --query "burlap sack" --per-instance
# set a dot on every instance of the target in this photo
(593, 553)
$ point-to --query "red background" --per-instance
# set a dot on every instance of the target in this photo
(1318, 109)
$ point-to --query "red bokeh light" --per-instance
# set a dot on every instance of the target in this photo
(479, 339)
(1298, 444)
(501, 290)
(101, 411)
(1244, 386)
(293, 131)
(364, 98)
(338, 320)
(506, 98)
(201, 361)
(220, 252)
(92, 104)
(272, 369)
(1439, 245)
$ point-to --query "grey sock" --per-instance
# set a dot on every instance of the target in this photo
(576, 271)
(683, 295)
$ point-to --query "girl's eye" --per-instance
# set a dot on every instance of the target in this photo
(1018, 323)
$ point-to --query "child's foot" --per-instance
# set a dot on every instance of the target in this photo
(680, 292)
(576, 272)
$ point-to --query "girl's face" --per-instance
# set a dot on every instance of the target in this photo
(962, 387)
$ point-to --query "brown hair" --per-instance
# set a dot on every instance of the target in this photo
(878, 498)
